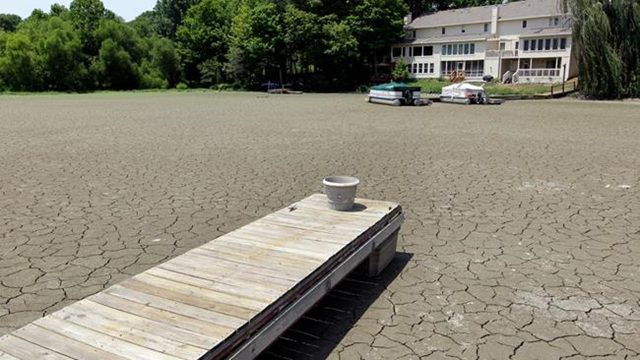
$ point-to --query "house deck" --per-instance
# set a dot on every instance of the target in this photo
(229, 298)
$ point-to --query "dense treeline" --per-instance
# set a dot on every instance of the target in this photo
(606, 35)
(326, 45)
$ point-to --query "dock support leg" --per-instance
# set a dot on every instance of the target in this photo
(381, 257)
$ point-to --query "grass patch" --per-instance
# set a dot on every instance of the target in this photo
(434, 86)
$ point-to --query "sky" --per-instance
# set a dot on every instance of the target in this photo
(128, 9)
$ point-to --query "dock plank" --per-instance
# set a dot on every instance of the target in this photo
(25, 350)
(208, 300)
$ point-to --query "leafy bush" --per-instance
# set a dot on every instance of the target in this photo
(400, 72)
(182, 86)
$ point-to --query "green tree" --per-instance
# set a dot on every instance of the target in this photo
(61, 50)
(606, 41)
(9, 22)
(165, 59)
(21, 67)
(257, 44)
(115, 68)
(86, 16)
(400, 72)
(170, 14)
(204, 37)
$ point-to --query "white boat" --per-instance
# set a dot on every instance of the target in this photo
(464, 93)
(396, 94)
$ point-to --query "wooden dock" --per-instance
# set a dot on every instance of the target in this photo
(228, 299)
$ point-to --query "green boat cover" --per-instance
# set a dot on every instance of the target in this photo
(395, 86)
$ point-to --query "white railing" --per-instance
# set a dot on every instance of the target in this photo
(544, 51)
(467, 73)
(503, 53)
(539, 72)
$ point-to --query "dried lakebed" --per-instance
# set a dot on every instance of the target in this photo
(522, 237)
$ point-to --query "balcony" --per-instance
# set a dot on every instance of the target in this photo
(538, 75)
(501, 53)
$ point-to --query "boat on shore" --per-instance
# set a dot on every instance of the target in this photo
(466, 93)
(396, 94)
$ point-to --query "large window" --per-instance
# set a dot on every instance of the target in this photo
(459, 49)
(428, 51)
(486, 27)
(417, 51)
(545, 44)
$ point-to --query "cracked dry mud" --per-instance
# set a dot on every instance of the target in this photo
(522, 237)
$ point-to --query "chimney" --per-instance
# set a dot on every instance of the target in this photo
(495, 15)
(408, 19)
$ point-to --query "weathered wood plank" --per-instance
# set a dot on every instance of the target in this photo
(25, 350)
(120, 319)
(229, 303)
(222, 279)
(62, 344)
(5, 356)
(136, 335)
(257, 293)
(217, 332)
(101, 341)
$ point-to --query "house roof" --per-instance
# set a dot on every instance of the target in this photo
(479, 14)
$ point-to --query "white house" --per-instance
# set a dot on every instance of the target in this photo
(525, 41)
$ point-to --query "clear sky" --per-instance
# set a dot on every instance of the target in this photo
(128, 9)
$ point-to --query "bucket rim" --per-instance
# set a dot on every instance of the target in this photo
(341, 181)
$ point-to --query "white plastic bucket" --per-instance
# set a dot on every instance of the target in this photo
(340, 191)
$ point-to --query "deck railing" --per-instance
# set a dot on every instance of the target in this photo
(539, 72)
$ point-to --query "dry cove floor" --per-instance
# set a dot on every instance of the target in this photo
(522, 231)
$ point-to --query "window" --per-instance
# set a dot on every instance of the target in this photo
(486, 27)
(428, 51)
(563, 43)
(444, 50)
(404, 52)
(444, 31)
(449, 50)
(417, 51)
(555, 44)
(397, 52)
(540, 44)
(455, 49)
(547, 44)
(526, 45)
(524, 24)
(414, 34)
(472, 49)
(420, 68)
(460, 49)
(466, 49)
(410, 52)
(463, 28)
(431, 68)
(415, 68)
